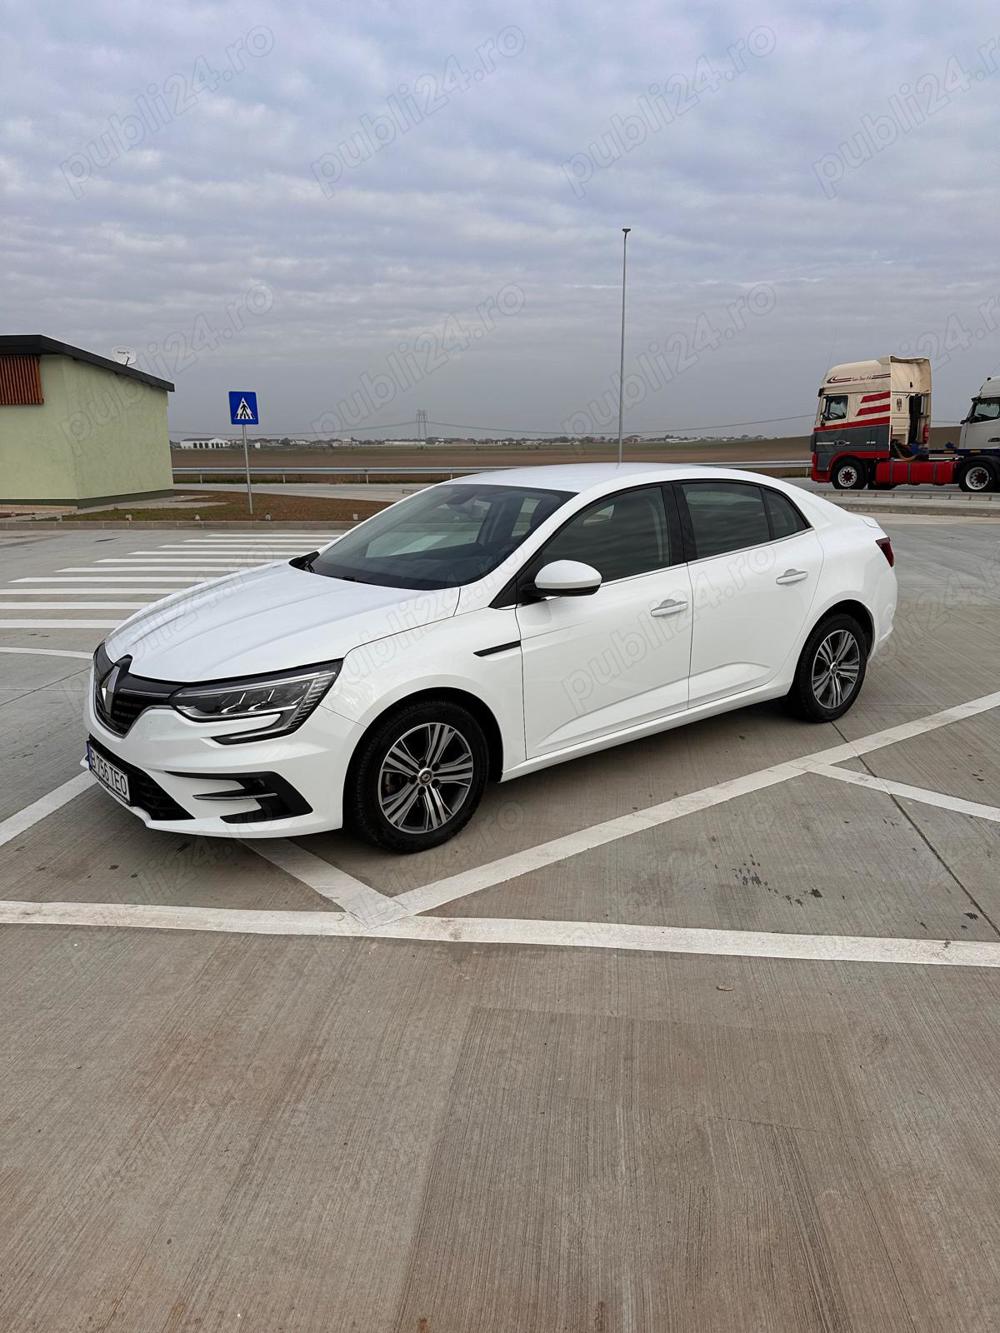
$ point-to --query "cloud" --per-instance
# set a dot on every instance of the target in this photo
(383, 170)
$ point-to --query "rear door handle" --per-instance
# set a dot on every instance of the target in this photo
(792, 576)
(669, 608)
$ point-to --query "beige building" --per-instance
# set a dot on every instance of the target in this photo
(76, 427)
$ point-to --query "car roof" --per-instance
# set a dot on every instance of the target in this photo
(601, 478)
(580, 477)
(576, 477)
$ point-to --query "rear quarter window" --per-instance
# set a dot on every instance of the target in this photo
(785, 517)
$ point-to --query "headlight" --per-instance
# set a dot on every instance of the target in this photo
(286, 697)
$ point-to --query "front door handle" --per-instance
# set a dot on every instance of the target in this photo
(669, 608)
(792, 576)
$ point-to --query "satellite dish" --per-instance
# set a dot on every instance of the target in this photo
(123, 354)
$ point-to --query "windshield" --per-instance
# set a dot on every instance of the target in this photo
(440, 538)
(985, 409)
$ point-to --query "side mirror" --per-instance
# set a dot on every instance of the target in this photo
(567, 578)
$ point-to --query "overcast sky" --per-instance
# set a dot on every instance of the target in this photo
(363, 210)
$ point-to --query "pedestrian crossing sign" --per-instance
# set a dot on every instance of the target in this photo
(243, 407)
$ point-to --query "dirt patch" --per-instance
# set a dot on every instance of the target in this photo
(216, 506)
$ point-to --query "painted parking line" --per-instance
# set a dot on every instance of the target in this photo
(369, 909)
(73, 606)
(364, 903)
(79, 592)
(105, 576)
(171, 551)
(256, 536)
(573, 844)
(59, 624)
(939, 798)
(211, 571)
(19, 823)
(48, 652)
(169, 562)
(489, 930)
(232, 544)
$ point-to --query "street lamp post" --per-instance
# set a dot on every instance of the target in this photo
(621, 367)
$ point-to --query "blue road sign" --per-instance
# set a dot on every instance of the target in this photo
(243, 407)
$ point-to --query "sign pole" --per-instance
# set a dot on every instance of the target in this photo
(246, 464)
(243, 409)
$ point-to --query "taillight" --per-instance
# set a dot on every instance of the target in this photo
(927, 434)
(885, 546)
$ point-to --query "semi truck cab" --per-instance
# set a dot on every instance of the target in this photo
(873, 424)
(981, 428)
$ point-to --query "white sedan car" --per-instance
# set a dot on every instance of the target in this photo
(482, 629)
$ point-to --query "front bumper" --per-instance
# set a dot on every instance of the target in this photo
(181, 763)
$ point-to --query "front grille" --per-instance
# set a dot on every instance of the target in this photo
(147, 794)
(131, 696)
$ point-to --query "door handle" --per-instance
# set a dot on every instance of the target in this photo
(792, 576)
(669, 608)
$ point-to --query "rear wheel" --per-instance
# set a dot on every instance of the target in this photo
(849, 475)
(977, 476)
(831, 670)
(418, 777)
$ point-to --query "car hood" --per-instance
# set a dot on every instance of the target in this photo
(267, 619)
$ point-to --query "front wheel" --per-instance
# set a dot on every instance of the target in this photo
(418, 777)
(849, 475)
(830, 671)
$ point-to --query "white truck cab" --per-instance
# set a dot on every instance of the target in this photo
(981, 428)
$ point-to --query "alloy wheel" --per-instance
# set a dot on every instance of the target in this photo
(425, 777)
(836, 668)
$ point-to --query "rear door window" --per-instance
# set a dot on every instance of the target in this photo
(725, 516)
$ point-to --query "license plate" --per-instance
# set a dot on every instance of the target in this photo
(108, 775)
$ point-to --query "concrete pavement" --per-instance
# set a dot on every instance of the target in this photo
(734, 1067)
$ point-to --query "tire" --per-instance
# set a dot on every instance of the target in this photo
(814, 696)
(849, 475)
(399, 803)
(978, 476)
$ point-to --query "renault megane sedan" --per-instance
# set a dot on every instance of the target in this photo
(476, 631)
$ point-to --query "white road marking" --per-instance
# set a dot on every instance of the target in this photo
(572, 844)
(938, 798)
(105, 576)
(307, 544)
(374, 914)
(366, 904)
(171, 562)
(489, 930)
(905, 731)
(183, 551)
(78, 592)
(284, 533)
(277, 539)
(48, 652)
(17, 824)
(73, 606)
(59, 624)
(209, 571)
